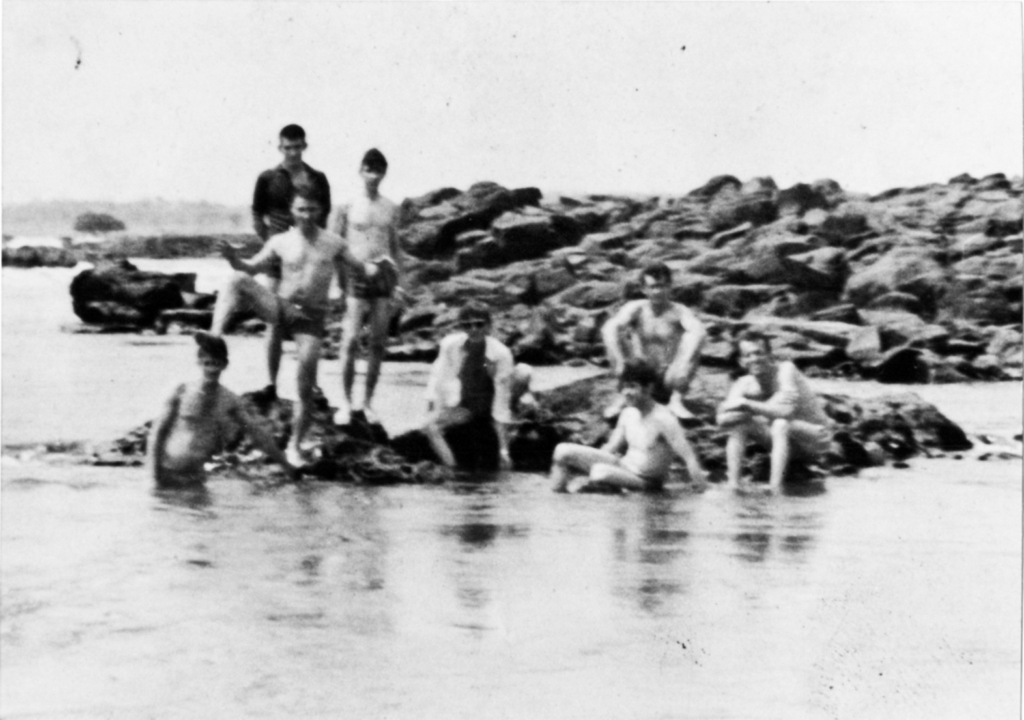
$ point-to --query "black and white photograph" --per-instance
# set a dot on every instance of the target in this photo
(511, 360)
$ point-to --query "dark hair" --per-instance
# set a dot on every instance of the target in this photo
(658, 271)
(474, 310)
(293, 132)
(640, 372)
(375, 161)
(306, 193)
(755, 336)
(212, 345)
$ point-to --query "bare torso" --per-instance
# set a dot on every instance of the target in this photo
(655, 337)
(648, 454)
(369, 225)
(307, 266)
(204, 422)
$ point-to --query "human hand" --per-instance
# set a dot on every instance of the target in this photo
(228, 251)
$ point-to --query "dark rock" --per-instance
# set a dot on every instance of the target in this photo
(713, 186)
(114, 291)
(896, 301)
(800, 198)
(31, 257)
(734, 301)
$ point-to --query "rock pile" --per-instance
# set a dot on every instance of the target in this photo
(916, 284)
(885, 429)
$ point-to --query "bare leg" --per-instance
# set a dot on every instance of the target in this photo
(616, 475)
(380, 319)
(355, 311)
(780, 452)
(308, 347)
(571, 457)
(440, 446)
(275, 340)
(243, 293)
(735, 447)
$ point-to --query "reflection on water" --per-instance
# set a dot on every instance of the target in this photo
(496, 595)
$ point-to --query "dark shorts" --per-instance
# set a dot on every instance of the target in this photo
(381, 285)
(295, 319)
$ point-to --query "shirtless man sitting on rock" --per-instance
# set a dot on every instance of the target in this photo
(370, 225)
(772, 406)
(198, 419)
(664, 333)
(308, 257)
(646, 431)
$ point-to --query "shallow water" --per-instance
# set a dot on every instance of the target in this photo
(894, 594)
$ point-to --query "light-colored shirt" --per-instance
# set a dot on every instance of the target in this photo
(444, 388)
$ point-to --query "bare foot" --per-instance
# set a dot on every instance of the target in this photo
(294, 456)
(676, 407)
(371, 416)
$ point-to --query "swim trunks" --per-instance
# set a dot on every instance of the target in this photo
(381, 285)
(295, 319)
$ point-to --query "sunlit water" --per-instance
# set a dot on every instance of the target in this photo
(895, 594)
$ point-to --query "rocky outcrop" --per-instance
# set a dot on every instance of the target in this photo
(118, 293)
(886, 429)
(38, 256)
(935, 270)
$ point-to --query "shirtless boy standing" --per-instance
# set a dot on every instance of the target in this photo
(772, 406)
(370, 224)
(198, 419)
(308, 257)
(648, 433)
(272, 214)
(667, 334)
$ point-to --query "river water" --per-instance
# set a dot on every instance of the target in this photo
(896, 594)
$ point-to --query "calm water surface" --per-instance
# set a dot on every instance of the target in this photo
(893, 595)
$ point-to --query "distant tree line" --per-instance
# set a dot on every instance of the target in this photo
(97, 223)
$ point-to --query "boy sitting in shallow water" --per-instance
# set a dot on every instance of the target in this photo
(648, 433)
(198, 419)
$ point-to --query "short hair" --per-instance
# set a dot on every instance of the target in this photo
(293, 132)
(375, 161)
(656, 271)
(474, 310)
(306, 193)
(212, 345)
(640, 372)
(752, 335)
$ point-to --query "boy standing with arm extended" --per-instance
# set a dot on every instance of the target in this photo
(308, 257)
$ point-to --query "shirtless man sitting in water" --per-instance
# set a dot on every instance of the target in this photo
(665, 333)
(773, 406)
(646, 430)
(370, 225)
(309, 257)
(198, 419)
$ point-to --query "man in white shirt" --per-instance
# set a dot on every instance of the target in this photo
(474, 379)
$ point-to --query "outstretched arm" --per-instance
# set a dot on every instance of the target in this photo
(677, 440)
(266, 259)
(158, 435)
(611, 333)
(263, 439)
(684, 365)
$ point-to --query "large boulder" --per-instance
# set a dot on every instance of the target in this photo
(119, 293)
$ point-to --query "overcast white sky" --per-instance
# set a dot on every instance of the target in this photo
(183, 100)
